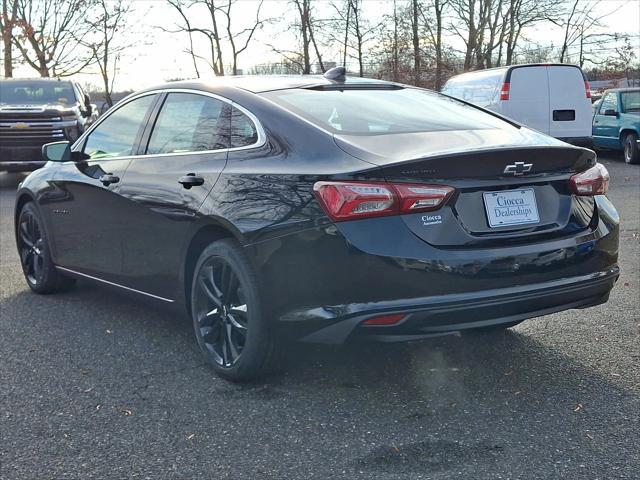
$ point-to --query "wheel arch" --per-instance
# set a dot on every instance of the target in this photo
(22, 199)
(625, 130)
(202, 236)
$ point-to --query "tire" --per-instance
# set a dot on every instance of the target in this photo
(630, 148)
(35, 258)
(230, 320)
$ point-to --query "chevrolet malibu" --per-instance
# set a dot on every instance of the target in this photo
(320, 209)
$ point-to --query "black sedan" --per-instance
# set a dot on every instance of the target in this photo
(322, 209)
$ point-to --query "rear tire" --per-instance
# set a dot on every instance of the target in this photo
(229, 316)
(630, 148)
(35, 257)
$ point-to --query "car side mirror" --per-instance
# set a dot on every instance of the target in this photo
(57, 152)
(87, 105)
(610, 112)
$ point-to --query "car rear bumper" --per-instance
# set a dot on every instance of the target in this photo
(437, 315)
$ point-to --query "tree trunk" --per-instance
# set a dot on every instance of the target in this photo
(416, 44)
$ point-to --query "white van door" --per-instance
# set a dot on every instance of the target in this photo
(528, 97)
(570, 109)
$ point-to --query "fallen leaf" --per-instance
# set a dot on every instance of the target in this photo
(189, 437)
(589, 436)
(109, 331)
(578, 408)
(126, 412)
(98, 407)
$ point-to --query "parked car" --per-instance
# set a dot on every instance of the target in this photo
(552, 98)
(319, 208)
(38, 111)
(616, 123)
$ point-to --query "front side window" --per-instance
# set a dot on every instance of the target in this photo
(383, 111)
(116, 135)
(190, 123)
(609, 102)
(630, 101)
(243, 131)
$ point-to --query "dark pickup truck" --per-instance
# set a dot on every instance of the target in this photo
(38, 111)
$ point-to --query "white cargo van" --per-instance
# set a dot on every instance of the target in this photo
(552, 98)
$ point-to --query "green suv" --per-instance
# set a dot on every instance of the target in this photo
(616, 122)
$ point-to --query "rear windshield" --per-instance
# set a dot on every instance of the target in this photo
(36, 93)
(630, 101)
(383, 111)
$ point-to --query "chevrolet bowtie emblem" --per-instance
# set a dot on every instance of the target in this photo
(20, 125)
(518, 168)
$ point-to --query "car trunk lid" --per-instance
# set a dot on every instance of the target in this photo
(484, 165)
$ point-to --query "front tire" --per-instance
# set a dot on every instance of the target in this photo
(630, 147)
(229, 316)
(35, 257)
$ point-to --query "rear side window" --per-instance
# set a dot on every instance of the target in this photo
(190, 123)
(630, 101)
(116, 135)
(243, 130)
(383, 111)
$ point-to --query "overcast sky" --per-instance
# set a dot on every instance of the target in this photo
(159, 55)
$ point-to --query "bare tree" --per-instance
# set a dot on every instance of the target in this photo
(214, 20)
(107, 40)
(48, 33)
(357, 31)
(8, 22)
(415, 37)
(433, 19)
(243, 37)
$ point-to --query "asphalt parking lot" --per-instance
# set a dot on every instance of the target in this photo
(97, 385)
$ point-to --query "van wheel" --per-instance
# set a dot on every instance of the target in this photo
(229, 317)
(35, 258)
(630, 146)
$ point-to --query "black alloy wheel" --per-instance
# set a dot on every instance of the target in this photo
(228, 317)
(221, 310)
(33, 248)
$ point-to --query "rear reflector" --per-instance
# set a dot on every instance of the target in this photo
(594, 181)
(504, 92)
(587, 88)
(352, 200)
(384, 320)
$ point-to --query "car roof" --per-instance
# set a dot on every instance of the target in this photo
(266, 83)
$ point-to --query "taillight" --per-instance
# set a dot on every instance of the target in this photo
(594, 181)
(587, 88)
(352, 200)
(504, 92)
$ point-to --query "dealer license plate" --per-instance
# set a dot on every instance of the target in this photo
(511, 207)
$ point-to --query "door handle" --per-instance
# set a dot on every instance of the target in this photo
(108, 178)
(191, 180)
